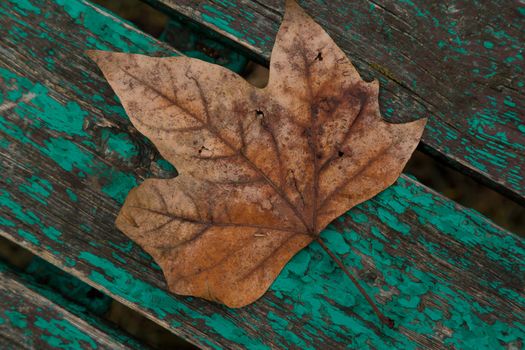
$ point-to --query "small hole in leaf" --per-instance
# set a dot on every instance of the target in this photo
(341, 153)
(259, 113)
(319, 56)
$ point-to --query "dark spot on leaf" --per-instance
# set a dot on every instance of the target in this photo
(341, 153)
(259, 113)
(319, 56)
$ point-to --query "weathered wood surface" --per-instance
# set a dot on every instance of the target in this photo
(459, 63)
(31, 318)
(68, 155)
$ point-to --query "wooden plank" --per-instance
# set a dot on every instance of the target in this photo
(31, 318)
(68, 155)
(459, 63)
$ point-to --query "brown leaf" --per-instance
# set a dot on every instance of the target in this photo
(262, 171)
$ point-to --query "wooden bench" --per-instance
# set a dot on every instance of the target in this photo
(445, 274)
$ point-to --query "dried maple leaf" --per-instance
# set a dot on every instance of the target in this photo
(262, 171)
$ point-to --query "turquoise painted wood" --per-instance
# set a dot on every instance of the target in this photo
(35, 317)
(69, 155)
(460, 63)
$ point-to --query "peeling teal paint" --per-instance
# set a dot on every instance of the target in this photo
(70, 262)
(120, 185)
(26, 5)
(16, 318)
(16, 209)
(6, 222)
(72, 195)
(118, 257)
(37, 188)
(28, 236)
(120, 143)
(67, 154)
(125, 247)
(106, 33)
(64, 335)
(392, 220)
(53, 234)
(222, 21)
